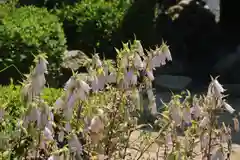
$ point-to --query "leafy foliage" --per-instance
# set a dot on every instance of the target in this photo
(27, 31)
(91, 24)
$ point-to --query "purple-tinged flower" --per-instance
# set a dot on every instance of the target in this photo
(48, 134)
(59, 104)
(84, 86)
(71, 101)
(95, 84)
(175, 114)
(74, 145)
(150, 75)
(41, 66)
(68, 112)
(196, 111)
(68, 127)
(186, 115)
(101, 81)
(218, 155)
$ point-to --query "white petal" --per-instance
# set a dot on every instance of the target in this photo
(229, 108)
(150, 75)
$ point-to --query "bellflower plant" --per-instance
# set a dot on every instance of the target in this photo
(98, 114)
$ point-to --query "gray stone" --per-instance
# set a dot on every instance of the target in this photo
(172, 82)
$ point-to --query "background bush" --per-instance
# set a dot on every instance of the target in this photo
(92, 24)
(30, 30)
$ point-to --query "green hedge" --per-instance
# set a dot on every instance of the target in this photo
(92, 24)
(30, 30)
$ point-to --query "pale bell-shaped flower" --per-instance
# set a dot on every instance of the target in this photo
(204, 140)
(50, 121)
(82, 94)
(176, 114)
(96, 125)
(61, 136)
(153, 107)
(38, 83)
(156, 61)
(71, 101)
(168, 139)
(224, 137)
(102, 157)
(68, 127)
(218, 155)
(54, 157)
(68, 112)
(43, 120)
(186, 115)
(27, 93)
(95, 84)
(138, 61)
(48, 134)
(150, 94)
(101, 81)
(167, 53)
(95, 137)
(196, 111)
(84, 86)
(228, 108)
(124, 61)
(41, 66)
(112, 78)
(150, 75)
(70, 83)
(34, 114)
(218, 86)
(204, 122)
(74, 145)
(59, 104)
(139, 48)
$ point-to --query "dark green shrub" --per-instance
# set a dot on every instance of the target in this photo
(91, 24)
(27, 31)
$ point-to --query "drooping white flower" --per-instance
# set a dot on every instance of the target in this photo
(228, 108)
(196, 111)
(204, 140)
(150, 94)
(68, 112)
(175, 114)
(112, 78)
(153, 107)
(186, 115)
(166, 53)
(101, 81)
(48, 134)
(204, 122)
(168, 139)
(218, 155)
(139, 48)
(138, 61)
(59, 104)
(74, 145)
(70, 83)
(84, 86)
(68, 127)
(96, 124)
(61, 136)
(150, 74)
(38, 83)
(71, 101)
(54, 157)
(95, 84)
(41, 66)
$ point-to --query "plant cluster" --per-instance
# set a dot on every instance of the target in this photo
(98, 112)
